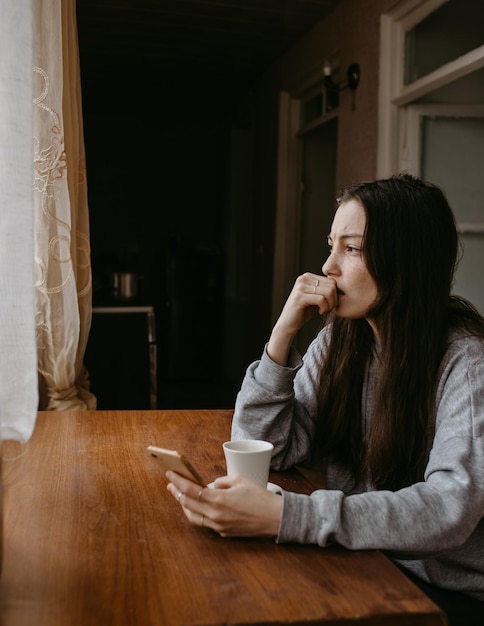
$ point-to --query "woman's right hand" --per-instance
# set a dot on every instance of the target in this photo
(311, 294)
(235, 507)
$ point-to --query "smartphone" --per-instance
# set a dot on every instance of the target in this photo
(176, 462)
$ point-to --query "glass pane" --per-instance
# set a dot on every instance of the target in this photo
(452, 153)
(313, 108)
(452, 157)
(454, 29)
(468, 280)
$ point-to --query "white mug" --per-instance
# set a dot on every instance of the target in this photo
(249, 457)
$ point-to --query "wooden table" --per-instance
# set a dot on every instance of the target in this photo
(92, 537)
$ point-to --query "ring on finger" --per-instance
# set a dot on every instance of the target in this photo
(179, 496)
(200, 494)
(202, 518)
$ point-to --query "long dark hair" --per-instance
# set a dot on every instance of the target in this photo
(411, 249)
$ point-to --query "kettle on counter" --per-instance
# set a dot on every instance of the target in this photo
(126, 285)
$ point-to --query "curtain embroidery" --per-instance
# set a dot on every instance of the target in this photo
(50, 166)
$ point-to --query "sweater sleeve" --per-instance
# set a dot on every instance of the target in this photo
(437, 515)
(279, 404)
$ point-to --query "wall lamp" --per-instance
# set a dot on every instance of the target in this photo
(333, 88)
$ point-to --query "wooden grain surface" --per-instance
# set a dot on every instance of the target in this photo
(92, 537)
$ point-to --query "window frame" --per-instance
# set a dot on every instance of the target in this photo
(393, 93)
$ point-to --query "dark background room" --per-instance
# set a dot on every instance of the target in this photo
(167, 93)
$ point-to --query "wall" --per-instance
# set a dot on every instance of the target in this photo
(351, 33)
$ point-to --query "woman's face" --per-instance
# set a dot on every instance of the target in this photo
(357, 290)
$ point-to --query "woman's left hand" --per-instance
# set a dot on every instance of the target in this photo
(235, 507)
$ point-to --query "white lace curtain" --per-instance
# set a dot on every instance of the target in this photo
(45, 271)
(61, 220)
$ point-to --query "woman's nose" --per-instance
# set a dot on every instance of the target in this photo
(329, 266)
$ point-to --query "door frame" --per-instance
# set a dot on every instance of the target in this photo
(289, 190)
(286, 249)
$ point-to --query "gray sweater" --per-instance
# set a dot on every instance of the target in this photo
(434, 528)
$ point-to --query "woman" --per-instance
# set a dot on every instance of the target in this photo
(389, 399)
